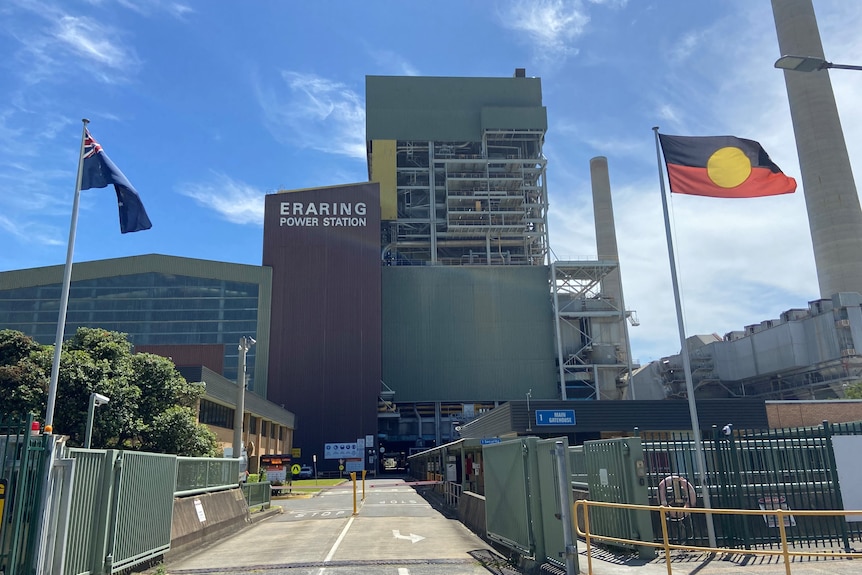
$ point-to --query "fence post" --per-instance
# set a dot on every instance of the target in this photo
(737, 479)
(565, 485)
(833, 478)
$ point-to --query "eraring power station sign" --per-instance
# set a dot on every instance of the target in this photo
(323, 214)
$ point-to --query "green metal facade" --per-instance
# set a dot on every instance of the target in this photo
(156, 299)
(450, 109)
(467, 333)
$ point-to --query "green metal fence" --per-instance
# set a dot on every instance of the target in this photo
(202, 474)
(122, 507)
(22, 469)
(757, 469)
(257, 494)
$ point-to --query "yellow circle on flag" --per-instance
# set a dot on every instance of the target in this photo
(295, 469)
(728, 167)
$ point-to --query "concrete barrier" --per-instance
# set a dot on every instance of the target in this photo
(202, 519)
(471, 512)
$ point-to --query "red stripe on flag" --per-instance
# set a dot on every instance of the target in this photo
(761, 182)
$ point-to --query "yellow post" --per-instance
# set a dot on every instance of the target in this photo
(663, 519)
(587, 536)
(353, 479)
(779, 516)
(363, 484)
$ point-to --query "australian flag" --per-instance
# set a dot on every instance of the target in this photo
(99, 171)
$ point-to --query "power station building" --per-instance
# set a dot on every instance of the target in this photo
(390, 313)
(387, 313)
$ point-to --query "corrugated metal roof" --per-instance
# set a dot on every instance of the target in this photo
(622, 416)
(135, 265)
(222, 390)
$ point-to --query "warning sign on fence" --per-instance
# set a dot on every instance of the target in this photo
(771, 502)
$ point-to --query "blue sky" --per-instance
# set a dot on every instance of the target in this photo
(208, 106)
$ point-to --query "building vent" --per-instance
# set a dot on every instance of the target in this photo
(794, 314)
(848, 352)
(520, 72)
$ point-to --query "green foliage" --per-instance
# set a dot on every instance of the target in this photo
(23, 383)
(176, 430)
(853, 391)
(151, 404)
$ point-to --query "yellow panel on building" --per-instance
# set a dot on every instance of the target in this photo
(383, 172)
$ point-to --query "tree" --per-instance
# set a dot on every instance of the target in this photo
(23, 384)
(853, 391)
(151, 405)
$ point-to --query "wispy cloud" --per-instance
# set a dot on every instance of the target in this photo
(315, 113)
(30, 232)
(392, 63)
(88, 38)
(235, 201)
(60, 44)
(149, 7)
(549, 24)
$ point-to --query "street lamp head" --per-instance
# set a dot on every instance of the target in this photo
(801, 63)
(99, 399)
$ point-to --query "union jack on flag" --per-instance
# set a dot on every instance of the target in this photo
(91, 146)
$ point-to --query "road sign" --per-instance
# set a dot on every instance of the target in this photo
(489, 440)
(295, 469)
(555, 417)
(342, 450)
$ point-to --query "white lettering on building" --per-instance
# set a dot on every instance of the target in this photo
(327, 214)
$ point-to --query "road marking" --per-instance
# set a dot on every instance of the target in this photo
(336, 544)
(403, 571)
(310, 514)
(413, 538)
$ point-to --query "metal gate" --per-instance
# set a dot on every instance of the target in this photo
(22, 469)
(758, 469)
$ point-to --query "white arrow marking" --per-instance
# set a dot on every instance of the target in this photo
(413, 538)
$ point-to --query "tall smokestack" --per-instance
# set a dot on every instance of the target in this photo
(834, 215)
(606, 244)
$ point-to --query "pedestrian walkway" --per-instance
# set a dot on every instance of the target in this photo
(398, 531)
(696, 563)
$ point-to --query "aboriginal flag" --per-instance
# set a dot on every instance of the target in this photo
(722, 167)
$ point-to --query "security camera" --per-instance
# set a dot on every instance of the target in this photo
(100, 399)
(727, 429)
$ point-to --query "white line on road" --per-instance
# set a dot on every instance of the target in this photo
(335, 545)
(403, 571)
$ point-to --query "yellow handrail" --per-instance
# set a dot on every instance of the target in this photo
(663, 510)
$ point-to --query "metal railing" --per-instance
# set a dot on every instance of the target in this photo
(778, 518)
(257, 494)
(746, 469)
(452, 493)
(22, 467)
(202, 474)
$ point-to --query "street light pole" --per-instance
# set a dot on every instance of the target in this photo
(245, 343)
(96, 399)
(809, 64)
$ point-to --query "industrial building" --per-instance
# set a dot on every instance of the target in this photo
(389, 312)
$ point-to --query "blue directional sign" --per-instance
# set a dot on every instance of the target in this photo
(489, 440)
(555, 417)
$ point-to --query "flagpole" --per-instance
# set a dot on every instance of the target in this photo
(686, 361)
(64, 292)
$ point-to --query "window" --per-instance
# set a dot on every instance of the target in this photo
(216, 414)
